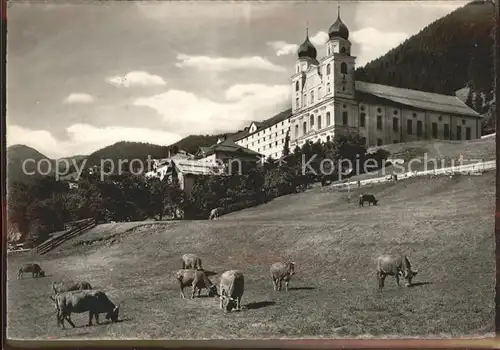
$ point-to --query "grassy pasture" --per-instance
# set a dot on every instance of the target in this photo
(444, 225)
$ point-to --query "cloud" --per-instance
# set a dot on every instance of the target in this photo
(224, 64)
(190, 114)
(77, 97)
(136, 78)
(85, 138)
(374, 43)
(283, 48)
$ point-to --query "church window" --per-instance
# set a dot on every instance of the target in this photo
(345, 118)
(320, 92)
(304, 128)
(434, 130)
(409, 127)
(446, 131)
(328, 69)
(312, 96)
(305, 99)
(362, 119)
(297, 103)
(328, 121)
(311, 121)
(379, 122)
(343, 68)
(463, 121)
(296, 131)
(319, 121)
(328, 89)
(342, 50)
(395, 124)
(297, 86)
(419, 128)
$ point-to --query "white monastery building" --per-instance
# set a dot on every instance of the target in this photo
(327, 100)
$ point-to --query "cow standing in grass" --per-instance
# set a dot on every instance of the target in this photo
(35, 269)
(215, 213)
(93, 301)
(198, 280)
(232, 286)
(370, 198)
(68, 286)
(191, 261)
(397, 266)
(282, 272)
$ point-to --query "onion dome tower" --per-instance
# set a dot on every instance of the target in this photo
(307, 49)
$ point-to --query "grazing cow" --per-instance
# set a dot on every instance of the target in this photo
(370, 198)
(35, 269)
(68, 286)
(397, 266)
(191, 261)
(215, 213)
(282, 272)
(198, 280)
(94, 301)
(232, 286)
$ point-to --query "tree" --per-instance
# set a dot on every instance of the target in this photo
(286, 146)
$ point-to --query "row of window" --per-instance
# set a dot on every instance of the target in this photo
(269, 130)
(270, 145)
(343, 70)
(311, 123)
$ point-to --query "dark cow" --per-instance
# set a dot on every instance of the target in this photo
(397, 266)
(232, 286)
(35, 269)
(68, 286)
(198, 280)
(215, 213)
(94, 301)
(191, 261)
(370, 198)
(282, 272)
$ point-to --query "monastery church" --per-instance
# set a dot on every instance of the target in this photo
(327, 100)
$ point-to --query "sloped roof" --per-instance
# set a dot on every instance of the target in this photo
(227, 146)
(268, 122)
(417, 99)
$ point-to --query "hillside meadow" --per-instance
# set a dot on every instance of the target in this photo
(444, 225)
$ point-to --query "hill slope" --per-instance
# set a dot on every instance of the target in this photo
(334, 292)
(17, 155)
(448, 54)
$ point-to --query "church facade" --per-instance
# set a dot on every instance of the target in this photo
(326, 100)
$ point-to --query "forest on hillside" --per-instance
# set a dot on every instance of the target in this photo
(453, 52)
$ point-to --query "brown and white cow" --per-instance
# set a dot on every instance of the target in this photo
(35, 269)
(370, 198)
(197, 279)
(232, 286)
(68, 286)
(93, 301)
(282, 272)
(215, 213)
(191, 261)
(397, 266)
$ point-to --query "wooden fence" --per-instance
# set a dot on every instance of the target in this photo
(74, 228)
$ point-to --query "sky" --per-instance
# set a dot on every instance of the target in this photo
(85, 75)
